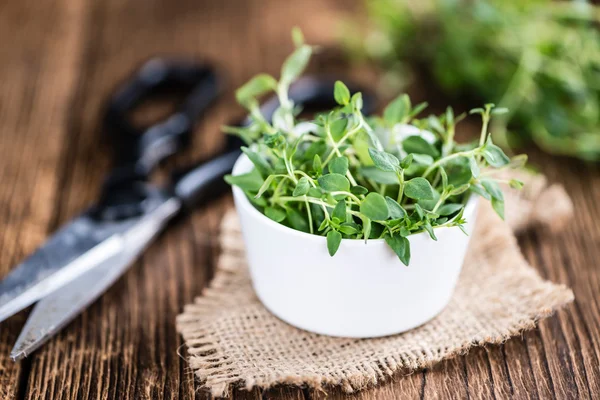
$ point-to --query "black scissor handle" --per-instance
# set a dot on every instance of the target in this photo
(205, 180)
(142, 148)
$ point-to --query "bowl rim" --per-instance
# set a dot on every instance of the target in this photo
(243, 165)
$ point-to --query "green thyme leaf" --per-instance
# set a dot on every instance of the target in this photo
(275, 213)
(498, 206)
(422, 159)
(406, 161)
(265, 185)
(384, 161)
(334, 183)
(418, 109)
(274, 141)
(315, 192)
(419, 211)
(256, 87)
(317, 166)
(338, 128)
(375, 207)
(493, 189)
(334, 239)
(260, 202)
(259, 162)
(397, 110)
(418, 145)
(341, 93)
(357, 101)
(395, 209)
(499, 111)
(359, 190)
(478, 189)
(339, 211)
(297, 220)
(444, 176)
(518, 161)
(339, 165)
(474, 166)
(323, 225)
(251, 181)
(349, 228)
(301, 187)
(377, 230)
(379, 176)
(318, 147)
(459, 171)
(401, 246)
(515, 184)
(295, 64)
(418, 189)
(449, 209)
(429, 230)
(430, 204)
(366, 228)
(297, 36)
(458, 190)
(495, 156)
(449, 116)
(435, 124)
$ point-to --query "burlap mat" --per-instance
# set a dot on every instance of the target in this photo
(233, 340)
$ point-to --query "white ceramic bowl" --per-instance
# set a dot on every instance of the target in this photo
(364, 290)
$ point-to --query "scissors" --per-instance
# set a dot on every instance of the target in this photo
(88, 254)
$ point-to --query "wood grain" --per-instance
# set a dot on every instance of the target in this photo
(62, 58)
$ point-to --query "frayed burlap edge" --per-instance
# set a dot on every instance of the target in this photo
(220, 362)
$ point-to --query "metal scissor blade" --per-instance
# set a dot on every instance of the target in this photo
(60, 307)
(71, 251)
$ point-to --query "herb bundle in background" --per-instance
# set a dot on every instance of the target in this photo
(538, 58)
(342, 175)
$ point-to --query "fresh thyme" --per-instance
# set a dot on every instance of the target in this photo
(345, 176)
(539, 58)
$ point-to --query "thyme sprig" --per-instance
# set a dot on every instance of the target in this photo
(345, 176)
(540, 58)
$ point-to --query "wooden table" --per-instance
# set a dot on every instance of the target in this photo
(59, 61)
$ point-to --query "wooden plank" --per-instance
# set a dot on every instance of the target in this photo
(38, 73)
(566, 346)
(479, 375)
(496, 362)
(279, 392)
(399, 387)
(125, 345)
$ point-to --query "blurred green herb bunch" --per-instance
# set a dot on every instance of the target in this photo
(343, 175)
(539, 58)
